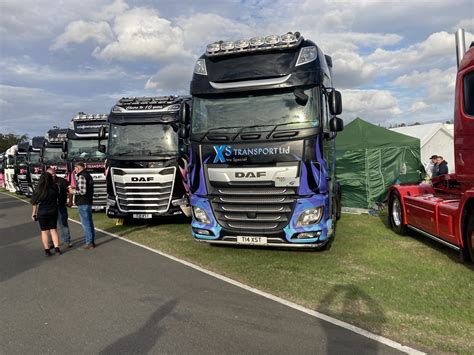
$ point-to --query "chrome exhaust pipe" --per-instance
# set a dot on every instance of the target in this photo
(460, 45)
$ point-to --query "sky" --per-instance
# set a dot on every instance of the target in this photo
(393, 61)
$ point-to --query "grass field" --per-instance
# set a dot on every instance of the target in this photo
(405, 288)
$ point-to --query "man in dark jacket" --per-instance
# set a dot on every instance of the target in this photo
(83, 195)
(441, 166)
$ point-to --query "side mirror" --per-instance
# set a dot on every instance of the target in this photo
(102, 132)
(183, 133)
(336, 124)
(64, 146)
(101, 148)
(335, 103)
(184, 114)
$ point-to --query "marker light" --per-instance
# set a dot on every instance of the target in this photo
(310, 216)
(257, 41)
(307, 54)
(227, 46)
(200, 67)
(241, 44)
(213, 47)
(272, 39)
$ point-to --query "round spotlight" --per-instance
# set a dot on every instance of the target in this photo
(257, 41)
(241, 44)
(272, 39)
(227, 46)
(288, 38)
(213, 47)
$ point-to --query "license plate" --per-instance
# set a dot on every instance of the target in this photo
(97, 207)
(142, 215)
(252, 240)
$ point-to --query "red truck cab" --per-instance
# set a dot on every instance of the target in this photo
(444, 209)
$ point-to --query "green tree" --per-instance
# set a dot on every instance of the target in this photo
(9, 139)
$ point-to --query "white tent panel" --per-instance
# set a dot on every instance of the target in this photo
(435, 138)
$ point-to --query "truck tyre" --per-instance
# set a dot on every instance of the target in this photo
(396, 211)
(467, 252)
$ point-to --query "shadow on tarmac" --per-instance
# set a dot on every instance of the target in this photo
(145, 338)
(356, 304)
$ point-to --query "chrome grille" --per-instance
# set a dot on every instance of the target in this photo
(143, 196)
(100, 192)
(23, 185)
(265, 209)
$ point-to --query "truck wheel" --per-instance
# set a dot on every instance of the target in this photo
(467, 252)
(396, 214)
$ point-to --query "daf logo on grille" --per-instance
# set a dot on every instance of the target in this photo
(149, 178)
(250, 174)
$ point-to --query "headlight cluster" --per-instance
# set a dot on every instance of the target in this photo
(200, 215)
(310, 216)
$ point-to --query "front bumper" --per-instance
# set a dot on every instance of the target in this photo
(286, 238)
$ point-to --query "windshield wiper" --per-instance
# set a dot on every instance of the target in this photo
(216, 128)
(126, 153)
(284, 124)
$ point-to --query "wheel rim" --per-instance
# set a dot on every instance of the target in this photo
(396, 212)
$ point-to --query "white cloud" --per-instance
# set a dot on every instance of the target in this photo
(173, 78)
(438, 85)
(81, 31)
(373, 105)
(142, 33)
(350, 69)
(418, 106)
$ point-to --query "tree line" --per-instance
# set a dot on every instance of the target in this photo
(9, 139)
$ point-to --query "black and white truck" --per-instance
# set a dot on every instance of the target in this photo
(81, 145)
(146, 162)
(22, 173)
(35, 165)
(52, 152)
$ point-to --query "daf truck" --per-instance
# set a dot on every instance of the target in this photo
(2, 170)
(262, 147)
(10, 168)
(52, 151)
(22, 175)
(35, 165)
(145, 158)
(81, 145)
(444, 209)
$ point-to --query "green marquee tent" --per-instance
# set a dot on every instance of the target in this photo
(369, 159)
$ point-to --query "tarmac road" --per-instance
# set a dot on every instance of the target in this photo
(120, 298)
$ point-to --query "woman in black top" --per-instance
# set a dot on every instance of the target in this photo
(45, 210)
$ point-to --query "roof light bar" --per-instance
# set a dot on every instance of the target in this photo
(148, 104)
(256, 43)
(81, 116)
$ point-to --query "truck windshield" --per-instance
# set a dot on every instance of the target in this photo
(20, 159)
(84, 148)
(235, 112)
(139, 140)
(52, 154)
(34, 157)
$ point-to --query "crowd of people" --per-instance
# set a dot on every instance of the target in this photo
(50, 200)
(437, 166)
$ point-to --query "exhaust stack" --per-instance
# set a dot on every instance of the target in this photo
(460, 45)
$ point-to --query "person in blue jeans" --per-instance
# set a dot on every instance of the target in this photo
(63, 226)
(83, 194)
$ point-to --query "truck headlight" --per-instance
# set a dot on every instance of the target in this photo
(200, 215)
(310, 216)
